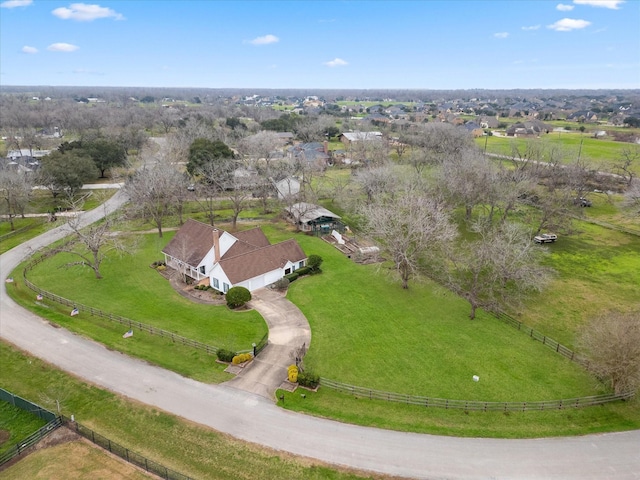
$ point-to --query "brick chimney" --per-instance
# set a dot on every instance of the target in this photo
(216, 245)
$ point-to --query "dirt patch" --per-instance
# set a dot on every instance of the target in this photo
(4, 436)
(59, 436)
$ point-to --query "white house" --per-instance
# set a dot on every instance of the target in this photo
(225, 260)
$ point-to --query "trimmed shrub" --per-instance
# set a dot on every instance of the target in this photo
(292, 276)
(303, 271)
(281, 284)
(314, 262)
(225, 355)
(237, 297)
(243, 357)
(308, 379)
(292, 373)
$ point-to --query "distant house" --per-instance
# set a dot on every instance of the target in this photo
(313, 154)
(288, 187)
(349, 138)
(531, 128)
(224, 260)
(314, 218)
(473, 128)
(583, 116)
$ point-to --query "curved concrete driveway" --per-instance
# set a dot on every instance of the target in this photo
(288, 329)
(253, 418)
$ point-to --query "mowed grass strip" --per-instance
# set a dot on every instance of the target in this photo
(183, 446)
(132, 289)
(597, 153)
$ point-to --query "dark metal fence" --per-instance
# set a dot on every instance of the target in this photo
(30, 441)
(27, 406)
(37, 410)
(58, 421)
(470, 404)
(126, 454)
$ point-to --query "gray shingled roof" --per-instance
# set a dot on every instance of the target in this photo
(305, 212)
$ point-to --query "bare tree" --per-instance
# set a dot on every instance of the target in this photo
(632, 196)
(466, 179)
(15, 189)
(312, 129)
(497, 269)
(92, 244)
(440, 140)
(154, 192)
(611, 343)
(376, 181)
(238, 194)
(410, 227)
(624, 166)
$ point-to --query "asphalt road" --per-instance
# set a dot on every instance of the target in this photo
(256, 419)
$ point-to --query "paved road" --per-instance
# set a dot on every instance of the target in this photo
(253, 418)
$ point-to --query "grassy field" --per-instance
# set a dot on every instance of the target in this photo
(75, 460)
(16, 425)
(180, 445)
(600, 154)
(418, 341)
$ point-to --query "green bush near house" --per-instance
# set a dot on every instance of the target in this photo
(237, 297)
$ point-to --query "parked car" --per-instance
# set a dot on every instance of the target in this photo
(545, 238)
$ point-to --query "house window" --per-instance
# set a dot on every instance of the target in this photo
(225, 287)
(216, 284)
(287, 271)
(203, 269)
(301, 264)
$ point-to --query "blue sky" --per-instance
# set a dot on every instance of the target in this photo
(428, 44)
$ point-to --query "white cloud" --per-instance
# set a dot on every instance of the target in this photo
(264, 40)
(16, 3)
(28, 49)
(568, 24)
(612, 4)
(564, 8)
(62, 47)
(501, 35)
(531, 27)
(336, 62)
(82, 12)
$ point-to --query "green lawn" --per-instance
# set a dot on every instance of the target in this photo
(17, 424)
(597, 270)
(25, 229)
(419, 341)
(134, 290)
(597, 153)
(183, 446)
